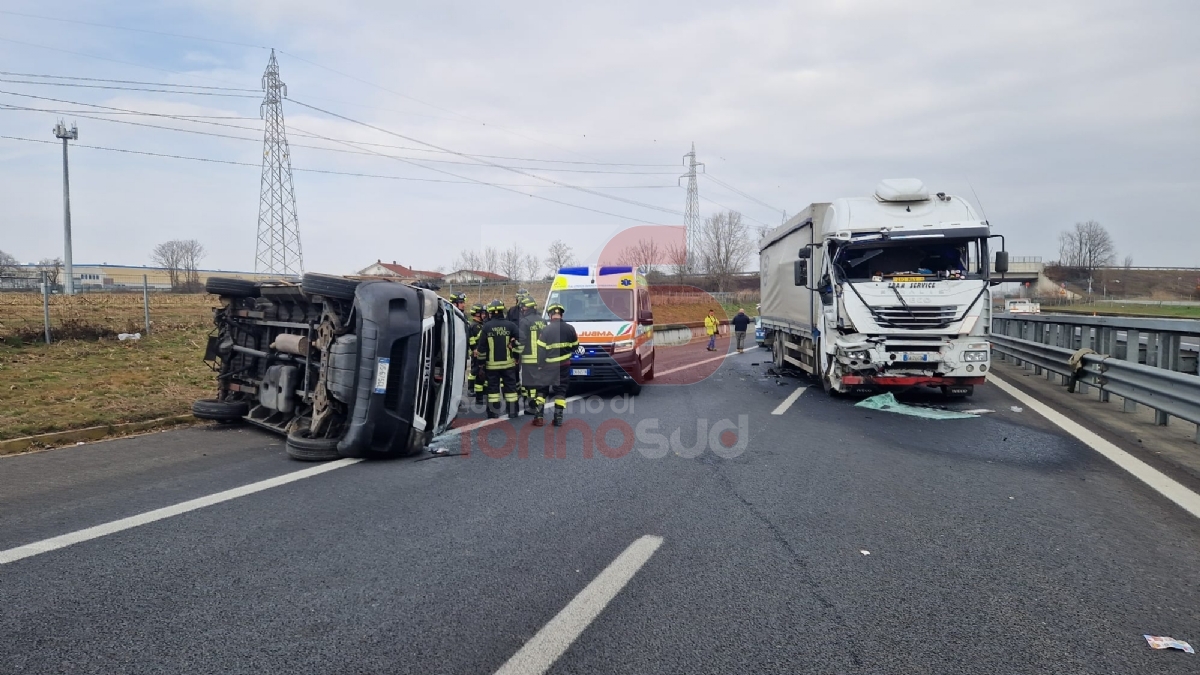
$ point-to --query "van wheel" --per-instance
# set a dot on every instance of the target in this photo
(231, 288)
(220, 411)
(303, 447)
(650, 373)
(338, 288)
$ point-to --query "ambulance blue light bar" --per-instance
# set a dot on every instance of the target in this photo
(616, 270)
(574, 271)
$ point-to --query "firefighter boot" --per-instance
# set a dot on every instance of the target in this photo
(538, 421)
(514, 410)
(558, 417)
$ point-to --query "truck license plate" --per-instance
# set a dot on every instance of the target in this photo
(381, 374)
(920, 356)
(581, 372)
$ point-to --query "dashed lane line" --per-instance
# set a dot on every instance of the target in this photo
(787, 402)
(105, 529)
(543, 649)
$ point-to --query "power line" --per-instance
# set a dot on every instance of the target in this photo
(711, 201)
(109, 86)
(736, 191)
(209, 160)
(196, 119)
(135, 30)
(89, 115)
(493, 164)
(101, 79)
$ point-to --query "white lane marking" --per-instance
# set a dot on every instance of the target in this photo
(485, 422)
(555, 637)
(1190, 501)
(787, 402)
(105, 529)
(700, 363)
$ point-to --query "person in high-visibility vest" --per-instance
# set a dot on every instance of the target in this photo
(499, 343)
(475, 374)
(711, 325)
(532, 324)
(556, 344)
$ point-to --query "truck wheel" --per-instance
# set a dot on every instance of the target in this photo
(338, 288)
(231, 288)
(777, 351)
(220, 411)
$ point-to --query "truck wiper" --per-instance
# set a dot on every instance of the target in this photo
(903, 302)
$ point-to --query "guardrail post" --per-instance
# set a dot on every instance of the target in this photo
(1133, 345)
(1108, 345)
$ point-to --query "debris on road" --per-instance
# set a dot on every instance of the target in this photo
(888, 403)
(129, 336)
(1016, 408)
(865, 552)
(1157, 642)
(978, 411)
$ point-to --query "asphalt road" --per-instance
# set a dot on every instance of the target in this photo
(839, 540)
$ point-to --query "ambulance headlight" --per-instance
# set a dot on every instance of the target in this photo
(622, 346)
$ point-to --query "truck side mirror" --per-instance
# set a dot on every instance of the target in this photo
(805, 253)
(1001, 262)
(800, 271)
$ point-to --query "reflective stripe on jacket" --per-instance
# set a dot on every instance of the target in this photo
(710, 325)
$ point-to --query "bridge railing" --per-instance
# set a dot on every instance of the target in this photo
(1152, 362)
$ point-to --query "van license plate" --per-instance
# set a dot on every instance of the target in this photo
(381, 374)
(581, 372)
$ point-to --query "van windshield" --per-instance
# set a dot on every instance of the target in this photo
(594, 304)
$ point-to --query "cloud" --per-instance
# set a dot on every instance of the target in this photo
(1049, 113)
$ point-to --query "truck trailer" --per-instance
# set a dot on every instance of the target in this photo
(883, 292)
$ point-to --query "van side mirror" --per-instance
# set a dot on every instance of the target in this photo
(800, 271)
(646, 317)
(1001, 262)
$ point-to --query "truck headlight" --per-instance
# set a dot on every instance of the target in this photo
(622, 346)
(975, 357)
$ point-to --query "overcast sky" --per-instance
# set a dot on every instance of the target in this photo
(1047, 113)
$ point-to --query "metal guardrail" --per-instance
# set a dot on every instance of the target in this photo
(1160, 375)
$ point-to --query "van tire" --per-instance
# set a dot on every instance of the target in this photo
(338, 288)
(231, 288)
(650, 373)
(633, 388)
(220, 411)
(307, 449)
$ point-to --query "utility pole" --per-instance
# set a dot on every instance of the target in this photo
(278, 250)
(61, 131)
(691, 210)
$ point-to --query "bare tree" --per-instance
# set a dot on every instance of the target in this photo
(489, 261)
(558, 256)
(468, 260)
(646, 253)
(677, 260)
(512, 262)
(1128, 262)
(8, 264)
(192, 253)
(725, 247)
(181, 260)
(1086, 247)
(52, 268)
(532, 265)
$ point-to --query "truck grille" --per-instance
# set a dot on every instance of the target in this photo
(916, 316)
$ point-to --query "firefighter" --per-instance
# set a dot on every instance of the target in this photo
(556, 344)
(459, 300)
(532, 324)
(514, 314)
(475, 374)
(499, 343)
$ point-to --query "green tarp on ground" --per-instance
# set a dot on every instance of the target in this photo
(888, 403)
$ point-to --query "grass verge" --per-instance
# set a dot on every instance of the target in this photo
(75, 384)
(1132, 309)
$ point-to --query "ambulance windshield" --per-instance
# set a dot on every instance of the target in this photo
(594, 304)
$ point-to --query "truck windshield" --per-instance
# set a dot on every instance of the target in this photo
(595, 304)
(940, 258)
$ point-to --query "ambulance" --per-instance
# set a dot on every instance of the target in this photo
(609, 307)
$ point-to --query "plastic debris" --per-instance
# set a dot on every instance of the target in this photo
(1157, 642)
(888, 403)
(129, 336)
(439, 451)
(865, 552)
(978, 411)
(1016, 408)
